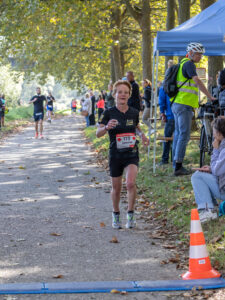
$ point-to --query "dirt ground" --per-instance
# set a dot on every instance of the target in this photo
(55, 218)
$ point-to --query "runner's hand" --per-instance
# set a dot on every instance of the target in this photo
(112, 124)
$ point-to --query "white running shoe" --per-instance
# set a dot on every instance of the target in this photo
(131, 221)
(116, 221)
(207, 215)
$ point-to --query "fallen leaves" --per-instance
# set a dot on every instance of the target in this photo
(58, 276)
(123, 293)
(22, 168)
(55, 234)
(114, 240)
(102, 225)
(60, 180)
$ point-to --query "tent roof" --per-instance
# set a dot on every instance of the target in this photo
(208, 28)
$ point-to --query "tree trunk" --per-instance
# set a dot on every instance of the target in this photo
(170, 22)
(122, 62)
(184, 10)
(112, 69)
(215, 63)
(146, 40)
(142, 16)
(116, 25)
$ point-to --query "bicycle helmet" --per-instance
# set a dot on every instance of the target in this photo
(196, 47)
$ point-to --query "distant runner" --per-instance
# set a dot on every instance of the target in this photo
(50, 100)
(122, 124)
(73, 106)
(38, 101)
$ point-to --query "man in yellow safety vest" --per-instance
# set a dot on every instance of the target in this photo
(185, 101)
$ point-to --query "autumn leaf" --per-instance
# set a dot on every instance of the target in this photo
(102, 224)
(123, 293)
(115, 292)
(55, 234)
(22, 168)
(114, 240)
(58, 276)
(60, 180)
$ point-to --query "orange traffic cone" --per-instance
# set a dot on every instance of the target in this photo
(199, 262)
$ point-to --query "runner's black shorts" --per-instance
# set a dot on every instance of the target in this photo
(118, 164)
(38, 116)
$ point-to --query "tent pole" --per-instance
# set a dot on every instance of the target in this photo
(151, 105)
(155, 111)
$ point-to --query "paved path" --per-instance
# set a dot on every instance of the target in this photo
(53, 198)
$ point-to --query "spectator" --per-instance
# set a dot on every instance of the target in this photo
(3, 110)
(134, 100)
(209, 181)
(184, 102)
(87, 107)
(100, 106)
(147, 85)
(92, 115)
(110, 101)
(167, 117)
(1, 105)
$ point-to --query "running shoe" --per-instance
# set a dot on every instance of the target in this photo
(41, 136)
(116, 221)
(207, 215)
(36, 135)
(131, 221)
(49, 121)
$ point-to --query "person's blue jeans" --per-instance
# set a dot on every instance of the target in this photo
(183, 117)
(87, 121)
(168, 132)
(206, 189)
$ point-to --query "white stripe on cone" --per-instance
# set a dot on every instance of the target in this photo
(196, 226)
(198, 252)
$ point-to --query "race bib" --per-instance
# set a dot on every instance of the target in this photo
(49, 106)
(125, 140)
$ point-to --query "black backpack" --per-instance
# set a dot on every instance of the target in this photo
(170, 81)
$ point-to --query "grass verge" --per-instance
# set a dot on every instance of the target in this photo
(168, 200)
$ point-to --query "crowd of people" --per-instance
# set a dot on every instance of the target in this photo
(122, 124)
(118, 112)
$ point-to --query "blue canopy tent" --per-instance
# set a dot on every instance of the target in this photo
(208, 28)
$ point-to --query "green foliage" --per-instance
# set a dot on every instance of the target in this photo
(19, 113)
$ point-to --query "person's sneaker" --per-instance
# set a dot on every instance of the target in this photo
(131, 221)
(182, 171)
(36, 135)
(41, 136)
(116, 221)
(207, 215)
(49, 121)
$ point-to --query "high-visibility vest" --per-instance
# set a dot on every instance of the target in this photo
(188, 93)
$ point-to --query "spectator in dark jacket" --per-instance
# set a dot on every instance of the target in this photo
(134, 100)
(167, 117)
(147, 85)
(92, 115)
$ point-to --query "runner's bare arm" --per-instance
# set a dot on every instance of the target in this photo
(145, 140)
(101, 131)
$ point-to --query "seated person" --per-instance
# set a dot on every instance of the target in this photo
(209, 181)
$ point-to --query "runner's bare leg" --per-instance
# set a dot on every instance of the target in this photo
(131, 174)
